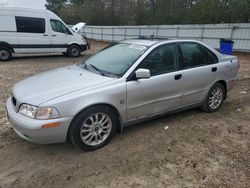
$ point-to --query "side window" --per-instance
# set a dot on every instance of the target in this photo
(212, 58)
(30, 25)
(59, 27)
(64, 28)
(194, 55)
(56, 25)
(162, 60)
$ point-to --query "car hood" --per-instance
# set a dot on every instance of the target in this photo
(76, 28)
(55, 83)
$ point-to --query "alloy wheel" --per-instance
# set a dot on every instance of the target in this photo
(216, 98)
(96, 129)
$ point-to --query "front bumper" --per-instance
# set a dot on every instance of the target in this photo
(30, 129)
(84, 47)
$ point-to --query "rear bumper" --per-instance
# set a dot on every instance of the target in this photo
(231, 83)
(30, 129)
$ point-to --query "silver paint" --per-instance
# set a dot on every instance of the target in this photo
(72, 89)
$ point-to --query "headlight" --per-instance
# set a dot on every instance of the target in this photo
(47, 113)
(39, 112)
(28, 110)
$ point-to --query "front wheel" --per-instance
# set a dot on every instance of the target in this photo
(5, 54)
(93, 128)
(74, 51)
(215, 98)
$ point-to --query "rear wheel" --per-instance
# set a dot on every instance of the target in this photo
(215, 98)
(74, 51)
(5, 54)
(93, 128)
(65, 53)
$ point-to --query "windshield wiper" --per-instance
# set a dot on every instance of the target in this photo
(102, 72)
(97, 69)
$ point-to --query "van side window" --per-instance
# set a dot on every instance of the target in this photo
(58, 26)
(30, 25)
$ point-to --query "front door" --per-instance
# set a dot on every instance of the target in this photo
(61, 36)
(160, 93)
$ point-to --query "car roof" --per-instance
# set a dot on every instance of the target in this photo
(144, 42)
(149, 42)
(152, 41)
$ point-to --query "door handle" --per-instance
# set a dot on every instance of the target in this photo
(214, 69)
(53, 35)
(45, 35)
(178, 76)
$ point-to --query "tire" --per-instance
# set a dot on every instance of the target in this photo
(93, 128)
(74, 51)
(5, 54)
(214, 99)
(65, 53)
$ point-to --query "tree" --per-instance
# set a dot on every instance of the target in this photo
(139, 12)
(55, 5)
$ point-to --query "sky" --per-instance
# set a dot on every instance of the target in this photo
(23, 3)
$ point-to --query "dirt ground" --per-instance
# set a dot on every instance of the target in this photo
(197, 149)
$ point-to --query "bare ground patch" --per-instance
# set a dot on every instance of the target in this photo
(197, 150)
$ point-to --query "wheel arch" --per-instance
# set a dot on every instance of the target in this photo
(119, 128)
(74, 43)
(6, 45)
(224, 83)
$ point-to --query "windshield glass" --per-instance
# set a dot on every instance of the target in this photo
(116, 59)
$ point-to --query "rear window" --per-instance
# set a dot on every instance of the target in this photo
(30, 25)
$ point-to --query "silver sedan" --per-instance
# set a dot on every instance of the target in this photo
(127, 82)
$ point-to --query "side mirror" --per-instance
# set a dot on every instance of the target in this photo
(142, 74)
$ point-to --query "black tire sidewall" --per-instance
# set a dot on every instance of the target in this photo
(216, 85)
(74, 47)
(8, 51)
(75, 127)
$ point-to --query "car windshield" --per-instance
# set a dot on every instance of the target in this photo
(116, 59)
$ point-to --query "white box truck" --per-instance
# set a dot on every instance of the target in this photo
(25, 30)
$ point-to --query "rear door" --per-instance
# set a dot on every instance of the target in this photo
(8, 32)
(33, 35)
(200, 70)
(161, 92)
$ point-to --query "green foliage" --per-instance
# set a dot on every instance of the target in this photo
(55, 5)
(139, 12)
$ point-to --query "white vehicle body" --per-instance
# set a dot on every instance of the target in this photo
(24, 30)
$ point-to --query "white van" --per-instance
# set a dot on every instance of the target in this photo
(25, 30)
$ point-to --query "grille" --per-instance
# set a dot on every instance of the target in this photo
(14, 101)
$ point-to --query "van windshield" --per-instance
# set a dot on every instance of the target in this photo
(116, 59)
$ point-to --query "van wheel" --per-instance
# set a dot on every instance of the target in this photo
(5, 54)
(74, 51)
(93, 128)
(214, 99)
